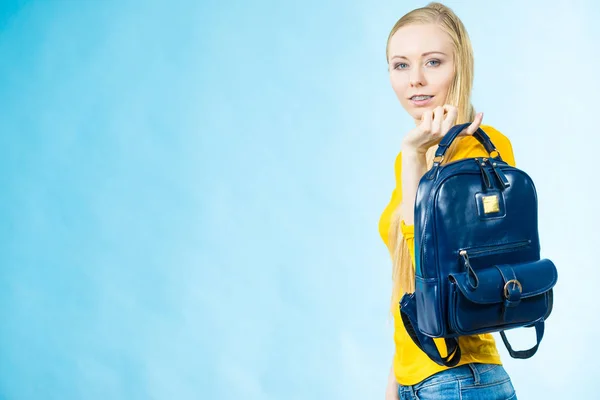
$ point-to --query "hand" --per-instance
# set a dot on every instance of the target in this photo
(391, 397)
(391, 391)
(434, 126)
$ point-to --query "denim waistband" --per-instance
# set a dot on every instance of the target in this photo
(461, 372)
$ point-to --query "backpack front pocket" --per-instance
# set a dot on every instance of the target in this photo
(500, 296)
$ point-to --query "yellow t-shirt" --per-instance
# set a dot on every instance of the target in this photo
(411, 365)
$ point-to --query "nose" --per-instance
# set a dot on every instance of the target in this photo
(416, 77)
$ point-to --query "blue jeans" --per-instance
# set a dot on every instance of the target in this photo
(467, 382)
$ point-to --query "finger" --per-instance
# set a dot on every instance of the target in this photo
(438, 118)
(426, 120)
(450, 119)
(471, 129)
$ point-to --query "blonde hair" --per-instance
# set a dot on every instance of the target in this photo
(459, 95)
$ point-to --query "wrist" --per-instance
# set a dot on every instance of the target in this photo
(412, 152)
(409, 148)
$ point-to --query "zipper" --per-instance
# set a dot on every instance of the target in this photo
(470, 271)
(500, 175)
(493, 249)
(473, 280)
(487, 180)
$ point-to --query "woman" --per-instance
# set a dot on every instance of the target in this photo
(430, 64)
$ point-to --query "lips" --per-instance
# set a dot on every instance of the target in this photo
(421, 97)
(421, 100)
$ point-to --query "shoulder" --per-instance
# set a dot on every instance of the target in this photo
(502, 143)
(497, 137)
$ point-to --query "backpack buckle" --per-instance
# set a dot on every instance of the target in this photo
(508, 292)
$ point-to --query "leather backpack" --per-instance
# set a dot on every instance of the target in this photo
(477, 252)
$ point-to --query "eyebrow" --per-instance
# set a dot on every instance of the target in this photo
(422, 55)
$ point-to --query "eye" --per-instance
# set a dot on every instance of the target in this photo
(437, 62)
(400, 66)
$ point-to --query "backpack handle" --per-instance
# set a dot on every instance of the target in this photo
(453, 133)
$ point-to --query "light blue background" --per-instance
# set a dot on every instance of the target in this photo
(190, 193)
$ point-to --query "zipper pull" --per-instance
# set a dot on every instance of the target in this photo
(487, 180)
(465, 256)
(470, 270)
(500, 175)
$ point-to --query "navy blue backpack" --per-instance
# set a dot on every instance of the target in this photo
(477, 251)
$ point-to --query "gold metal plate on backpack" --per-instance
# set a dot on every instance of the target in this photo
(490, 204)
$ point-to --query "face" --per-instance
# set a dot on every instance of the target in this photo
(421, 62)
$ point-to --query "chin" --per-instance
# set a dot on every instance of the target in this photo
(417, 113)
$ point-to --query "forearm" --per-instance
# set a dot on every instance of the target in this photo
(391, 392)
(414, 166)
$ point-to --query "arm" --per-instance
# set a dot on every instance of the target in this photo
(414, 166)
(391, 392)
(432, 128)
